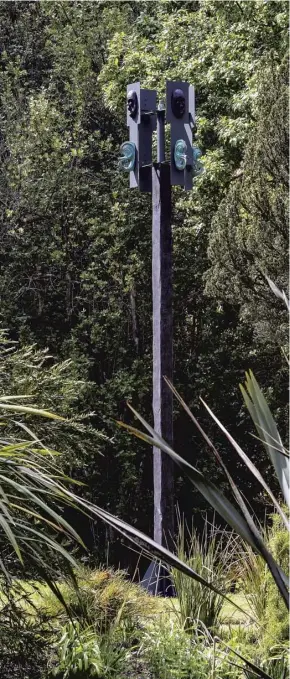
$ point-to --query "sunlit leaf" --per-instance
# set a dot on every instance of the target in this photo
(265, 423)
(30, 411)
(253, 469)
(242, 523)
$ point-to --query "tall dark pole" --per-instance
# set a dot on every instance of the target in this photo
(163, 474)
(142, 117)
(162, 350)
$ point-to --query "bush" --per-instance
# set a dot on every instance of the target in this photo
(104, 598)
(276, 619)
(272, 628)
(79, 652)
(24, 639)
(56, 386)
(95, 635)
(172, 653)
(259, 588)
(98, 633)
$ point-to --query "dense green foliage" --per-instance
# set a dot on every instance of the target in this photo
(33, 374)
(249, 233)
(76, 244)
(276, 619)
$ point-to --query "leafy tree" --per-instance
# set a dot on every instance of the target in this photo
(31, 374)
(249, 237)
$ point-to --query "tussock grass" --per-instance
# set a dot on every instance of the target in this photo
(212, 556)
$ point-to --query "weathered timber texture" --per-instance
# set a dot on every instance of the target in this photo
(162, 351)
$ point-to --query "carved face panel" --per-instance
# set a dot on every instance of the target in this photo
(178, 103)
(132, 103)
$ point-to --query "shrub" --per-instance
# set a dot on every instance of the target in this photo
(172, 653)
(261, 594)
(276, 619)
(31, 374)
(78, 652)
(106, 619)
(104, 598)
(253, 581)
(24, 639)
(82, 652)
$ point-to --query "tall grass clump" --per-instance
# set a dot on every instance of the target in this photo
(253, 580)
(211, 555)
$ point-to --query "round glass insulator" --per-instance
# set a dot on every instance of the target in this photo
(128, 157)
(180, 149)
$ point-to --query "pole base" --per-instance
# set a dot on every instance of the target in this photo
(158, 581)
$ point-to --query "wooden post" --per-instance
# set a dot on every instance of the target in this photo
(163, 474)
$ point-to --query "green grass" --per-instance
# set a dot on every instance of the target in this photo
(42, 596)
(143, 621)
(231, 615)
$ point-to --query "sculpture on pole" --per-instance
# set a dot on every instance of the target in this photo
(142, 116)
(157, 178)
